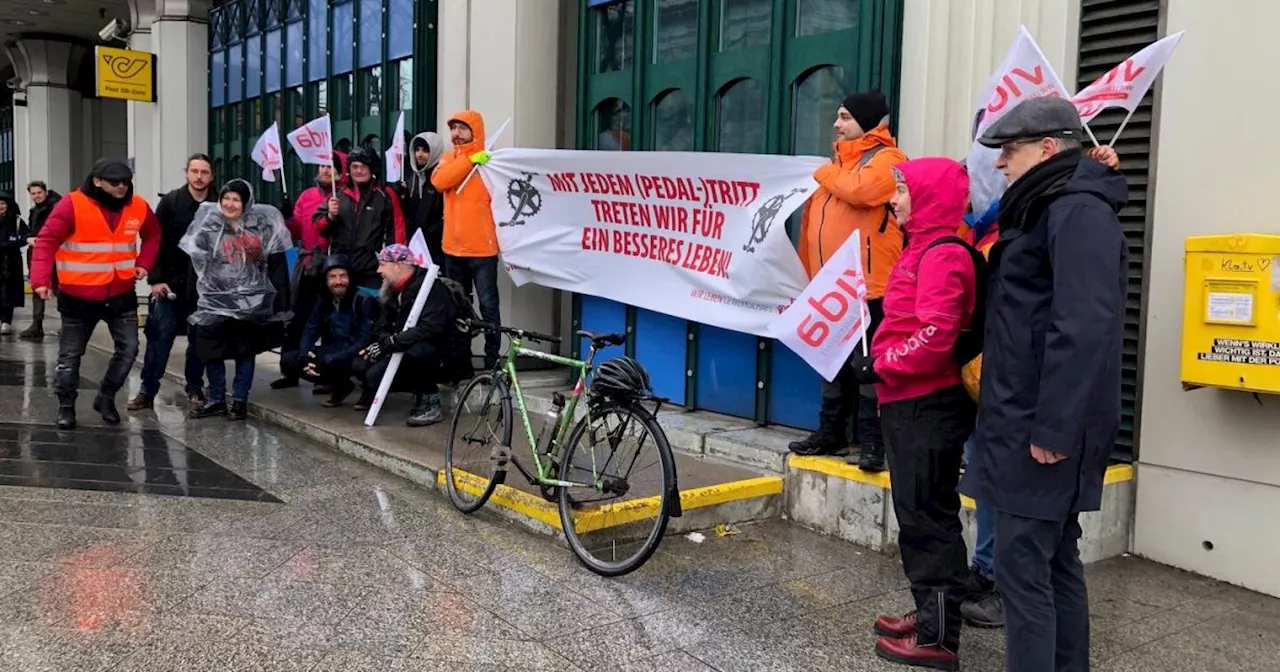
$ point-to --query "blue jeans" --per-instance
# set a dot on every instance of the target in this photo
(985, 544)
(217, 372)
(161, 330)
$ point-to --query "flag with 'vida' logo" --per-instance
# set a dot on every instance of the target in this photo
(830, 318)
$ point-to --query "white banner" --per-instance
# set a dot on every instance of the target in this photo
(1024, 74)
(419, 246)
(1126, 84)
(700, 236)
(266, 153)
(313, 141)
(395, 155)
(830, 318)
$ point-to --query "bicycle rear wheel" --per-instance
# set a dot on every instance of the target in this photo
(616, 524)
(481, 422)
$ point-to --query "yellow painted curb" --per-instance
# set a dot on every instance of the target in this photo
(835, 466)
(614, 515)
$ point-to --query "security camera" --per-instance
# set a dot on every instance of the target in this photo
(116, 30)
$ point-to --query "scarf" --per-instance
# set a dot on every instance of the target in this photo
(1040, 180)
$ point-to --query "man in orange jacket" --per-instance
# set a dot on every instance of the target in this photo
(89, 251)
(853, 195)
(470, 235)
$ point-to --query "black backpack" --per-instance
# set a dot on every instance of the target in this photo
(969, 343)
(462, 304)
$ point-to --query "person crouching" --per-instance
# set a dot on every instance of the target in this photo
(925, 413)
(242, 285)
(435, 351)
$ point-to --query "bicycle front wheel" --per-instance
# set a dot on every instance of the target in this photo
(615, 519)
(478, 435)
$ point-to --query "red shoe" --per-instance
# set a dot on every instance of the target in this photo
(907, 652)
(897, 627)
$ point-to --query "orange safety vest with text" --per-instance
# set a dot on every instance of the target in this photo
(94, 255)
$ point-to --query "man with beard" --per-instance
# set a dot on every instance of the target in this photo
(423, 204)
(43, 201)
(173, 288)
(341, 325)
(361, 219)
(91, 237)
(306, 282)
(1050, 387)
(435, 351)
(470, 234)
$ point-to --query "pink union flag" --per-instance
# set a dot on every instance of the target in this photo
(313, 142)
(1127, 83)
(266, 153)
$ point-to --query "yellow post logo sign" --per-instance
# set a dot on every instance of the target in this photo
(125, 74)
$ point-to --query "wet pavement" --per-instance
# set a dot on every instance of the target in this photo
(338, 566)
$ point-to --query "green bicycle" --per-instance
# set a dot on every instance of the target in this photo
(614, 506)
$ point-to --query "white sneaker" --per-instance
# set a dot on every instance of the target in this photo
(5, 328)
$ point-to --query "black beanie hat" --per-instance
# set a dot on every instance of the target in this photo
(867, 109)
(241, 188)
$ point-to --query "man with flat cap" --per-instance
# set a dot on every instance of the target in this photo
(91, 242)
(1050, 394)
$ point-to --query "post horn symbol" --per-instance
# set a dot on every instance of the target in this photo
(123, 66)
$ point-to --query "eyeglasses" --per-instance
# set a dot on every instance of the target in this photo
(1008, 148)
(116, 183)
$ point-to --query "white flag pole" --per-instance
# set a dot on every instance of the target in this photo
(1120, 130)
(487, 147)
(419, 246)
(1093, 137)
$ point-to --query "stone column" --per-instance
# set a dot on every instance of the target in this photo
(48, 126)
(143, 142)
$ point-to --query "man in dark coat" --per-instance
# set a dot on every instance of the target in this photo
(435, 351)
(423, 204)
(13, 237)
(1050, 399)
(362, 219)
(173, 287)
(339, 327)
(43, 201)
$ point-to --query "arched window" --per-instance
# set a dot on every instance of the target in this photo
(740, 118)
(613, 125)
(673, 122)
(818, 96)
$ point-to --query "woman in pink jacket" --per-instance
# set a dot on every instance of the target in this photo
(930, 299)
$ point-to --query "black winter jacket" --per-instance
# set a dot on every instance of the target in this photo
(368, 220)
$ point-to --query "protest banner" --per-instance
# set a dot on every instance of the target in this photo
(423, 259)
(830, 318)
(266, 153)
(313, 141)
(395, 155)
(700, 236)
(1126, 84)
(1024, 74)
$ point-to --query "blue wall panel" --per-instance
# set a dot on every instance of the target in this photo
(603, 316)
(795, 390)
(726, 372)
(661, 342)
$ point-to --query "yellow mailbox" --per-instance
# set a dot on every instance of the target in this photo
(1231, 324)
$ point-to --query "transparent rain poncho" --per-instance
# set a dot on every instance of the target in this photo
(231, 263)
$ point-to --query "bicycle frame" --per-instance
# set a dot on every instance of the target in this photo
(543, 467)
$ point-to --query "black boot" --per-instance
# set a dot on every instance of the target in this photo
(66, 417)
(821, 442)
(107, 407)
(35, 332)
(284, 383)
(208, 410)
(426, 410)
(871, 458)
(984, 608)
(238, 411)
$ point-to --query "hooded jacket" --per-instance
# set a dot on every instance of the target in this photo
(852, 198)
(469, 229)
(61, 224)
(423, 203)
(13, 237)
(369, 218)
(1054, 341)
(932, 290)
(309, 210)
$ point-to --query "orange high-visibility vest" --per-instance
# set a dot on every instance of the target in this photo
(95, 255)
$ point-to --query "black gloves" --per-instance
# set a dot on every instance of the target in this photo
(379, 349)
(864, 370)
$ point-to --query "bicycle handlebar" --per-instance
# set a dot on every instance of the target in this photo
(522, 334)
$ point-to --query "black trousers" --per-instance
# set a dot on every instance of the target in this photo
(1046, 604)
(843, 399)
(421, 371)
(79, 319)
(480, 273)
(336, 375)
(924, 441)
(308, 290)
